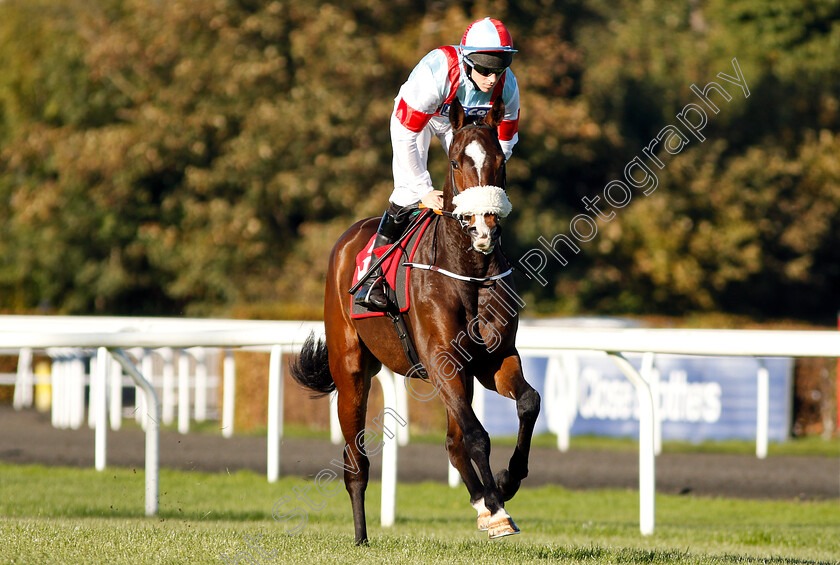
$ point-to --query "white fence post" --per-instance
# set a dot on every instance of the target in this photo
(402, 409)
(561, 402)
(93, 388)
(183, 392)
(763, 409)
(651, 374)
(454, 477)
(147, 368)
(555, 402)
(389, 450)
(168, 385)
(275, 411)
(200, 356)
(77, 393)
(101, 408)
(24, 379)
(229, 399)
(56, 389)
(336, 437)
(647, 458)
(115, 400)
(571, 368)
(152, 432)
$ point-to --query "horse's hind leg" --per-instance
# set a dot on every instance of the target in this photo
(509, 382)
(351, 370)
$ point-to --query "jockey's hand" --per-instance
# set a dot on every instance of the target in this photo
(433, 200)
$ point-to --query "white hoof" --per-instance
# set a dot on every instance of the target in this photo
(501, 525)
(484, 521)
(483, 515)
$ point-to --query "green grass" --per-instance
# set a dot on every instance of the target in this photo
(63, 515)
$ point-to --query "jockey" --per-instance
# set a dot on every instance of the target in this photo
(476, 71)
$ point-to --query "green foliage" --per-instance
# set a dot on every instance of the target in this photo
(198, 155)
(742, 222)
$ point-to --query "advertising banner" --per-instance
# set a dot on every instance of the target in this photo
(698, 398)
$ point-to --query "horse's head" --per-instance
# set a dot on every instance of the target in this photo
(474, 190)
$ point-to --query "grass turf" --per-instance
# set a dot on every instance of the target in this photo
(69, 515)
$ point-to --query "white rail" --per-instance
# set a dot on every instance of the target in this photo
(105, 335)
(116, 333)
(751, 343)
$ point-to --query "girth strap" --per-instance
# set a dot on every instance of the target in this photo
(407, 344)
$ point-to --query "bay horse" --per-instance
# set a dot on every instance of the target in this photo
(461, 329)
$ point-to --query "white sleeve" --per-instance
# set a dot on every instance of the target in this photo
(411, 177)
(428, 84)
(507, 146)
(422, 93)
(510, 122)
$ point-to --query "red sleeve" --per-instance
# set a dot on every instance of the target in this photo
(411, 119)
(508, 128)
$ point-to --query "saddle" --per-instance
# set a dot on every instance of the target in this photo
(396, 270)
(396, 274)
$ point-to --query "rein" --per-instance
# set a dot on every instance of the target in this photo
(472, 126)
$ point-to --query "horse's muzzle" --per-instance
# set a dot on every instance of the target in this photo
(484, 232)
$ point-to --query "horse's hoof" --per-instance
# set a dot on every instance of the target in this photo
(484, 520)
(501, 527)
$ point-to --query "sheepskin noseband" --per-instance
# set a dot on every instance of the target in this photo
(480, 200)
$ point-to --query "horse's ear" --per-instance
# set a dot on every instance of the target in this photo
(456, 114)
(496, 114)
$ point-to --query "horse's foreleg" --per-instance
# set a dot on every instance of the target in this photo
(510, 382)
(477, 444)
(461, 461)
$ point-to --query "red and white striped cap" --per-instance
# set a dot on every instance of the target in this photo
(487, 35)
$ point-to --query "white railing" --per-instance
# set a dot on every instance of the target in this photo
(115, 334)
(616, 342)
(561, 393)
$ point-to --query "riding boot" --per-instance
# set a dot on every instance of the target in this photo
(372, 293)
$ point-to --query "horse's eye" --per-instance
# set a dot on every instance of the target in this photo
(454, 164)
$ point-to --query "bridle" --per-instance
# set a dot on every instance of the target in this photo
(465, 224)
(455, 192)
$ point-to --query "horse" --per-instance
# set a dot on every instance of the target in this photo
(461, 327)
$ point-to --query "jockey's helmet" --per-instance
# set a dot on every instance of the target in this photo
(487, 43)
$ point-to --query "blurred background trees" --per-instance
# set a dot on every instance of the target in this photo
(202, 156)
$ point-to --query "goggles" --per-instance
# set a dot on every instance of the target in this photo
(487, 71)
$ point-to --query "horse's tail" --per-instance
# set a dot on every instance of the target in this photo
(312, 368)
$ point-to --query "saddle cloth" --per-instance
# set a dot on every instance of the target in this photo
(396, 275)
